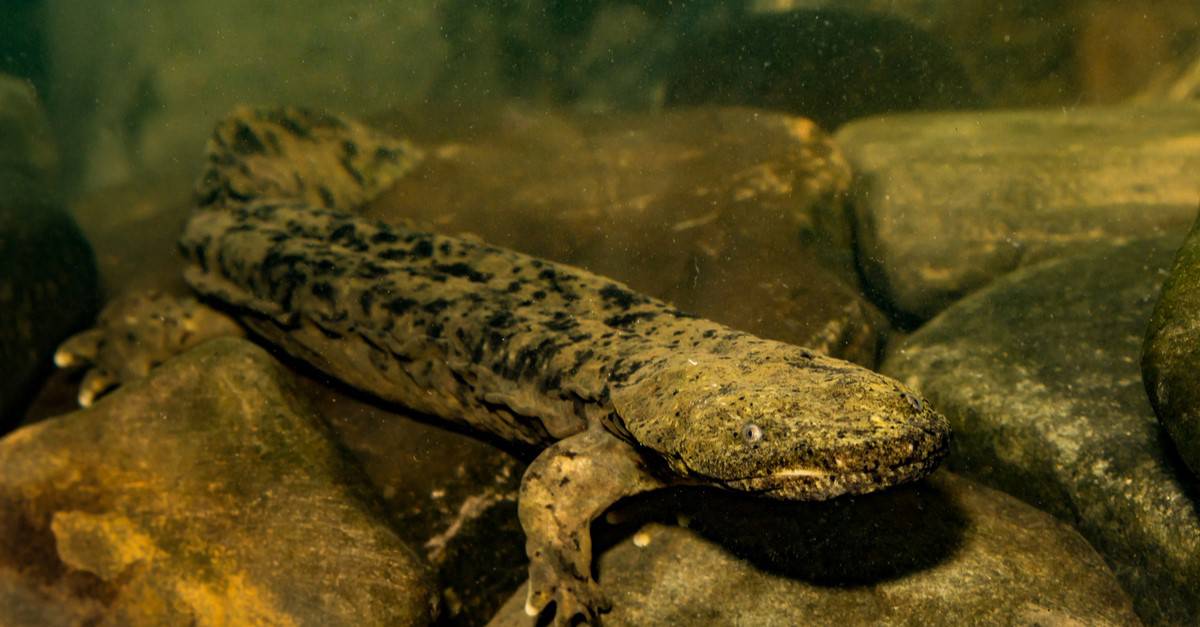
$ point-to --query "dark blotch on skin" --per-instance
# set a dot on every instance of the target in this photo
(323, 291)
(423, 248)
(290, 125)
(436, 305)
(245, 142)
(327, 198)
(626, 320)
(502, 320)
(393, 254)
(620, 297)
(399, 306)
(465, 271)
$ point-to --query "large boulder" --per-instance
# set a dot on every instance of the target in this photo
(205, 494)
(943, 552)
(1171, 354)
(1038, 375)
(946, 203)
(48, 283)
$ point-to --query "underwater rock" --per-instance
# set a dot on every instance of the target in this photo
(451, 496)
(731, 214)
(48, 283)
(1171, 353)
(1039, 377)
(946, 551)
(827, 64)
(206, 493)
(946, 203)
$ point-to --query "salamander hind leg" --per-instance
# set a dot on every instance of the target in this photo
(565, 488)
(290, 153)
(135, 333)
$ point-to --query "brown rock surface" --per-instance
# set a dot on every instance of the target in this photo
(206, 494)
(946, 551)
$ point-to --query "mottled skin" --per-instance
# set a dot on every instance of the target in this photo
(625, 393)
(135, 334)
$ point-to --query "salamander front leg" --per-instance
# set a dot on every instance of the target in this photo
(135, 333)
(564, 489)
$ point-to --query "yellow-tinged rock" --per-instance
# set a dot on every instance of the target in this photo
(205, 494)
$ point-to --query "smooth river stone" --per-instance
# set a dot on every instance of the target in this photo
(205, 494)
(947, 551)
(1171, 355)
(946, 203)
(1039, 377)
(735, 215)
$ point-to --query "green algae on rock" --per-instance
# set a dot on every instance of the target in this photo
(946, 551)
(1039, 376)
(206, 493)
(1171, 355)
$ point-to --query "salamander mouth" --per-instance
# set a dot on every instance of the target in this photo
(813, 483)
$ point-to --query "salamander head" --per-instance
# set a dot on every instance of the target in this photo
(779, 420)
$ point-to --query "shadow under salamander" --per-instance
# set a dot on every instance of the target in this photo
(845, 541)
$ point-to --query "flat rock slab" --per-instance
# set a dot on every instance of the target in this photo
(1171, 354)
(732, 214)
(1039, 377)
(943, 552)
(205, 494)
(948, 202)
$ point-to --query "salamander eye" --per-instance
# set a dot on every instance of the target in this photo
(752, 433)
